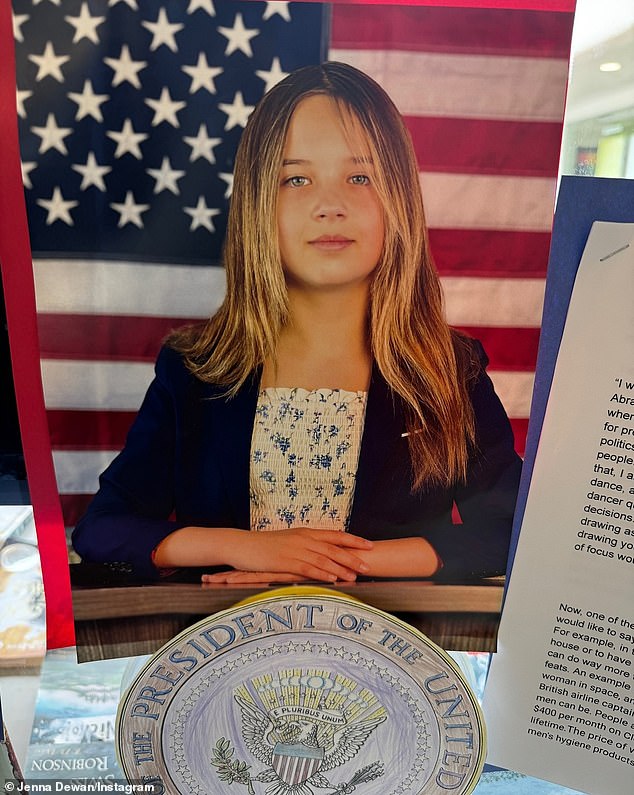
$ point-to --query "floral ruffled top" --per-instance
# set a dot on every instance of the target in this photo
(304, 455)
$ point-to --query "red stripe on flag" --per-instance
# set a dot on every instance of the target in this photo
(510, 32)
(74, 429)
(104, 337)
(17, 275)
(495, 5)
(74, 507)
(507, 348)
(520, 427)
(490, 252)
(486, 146)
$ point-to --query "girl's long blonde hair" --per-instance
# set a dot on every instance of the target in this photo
(421, 358)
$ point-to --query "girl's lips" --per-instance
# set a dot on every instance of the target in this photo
(330, 242)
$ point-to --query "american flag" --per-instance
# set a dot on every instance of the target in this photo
(129, 116)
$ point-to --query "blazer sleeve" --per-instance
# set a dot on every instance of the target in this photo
(130, 514)
(479, 545)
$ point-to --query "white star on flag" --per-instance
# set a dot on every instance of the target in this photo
(26, 170)
(201, 215)
(202, 75)
(130, 212)
(88, 103)
(125, 68)
(237, 112)
(277, 7)
(228, 178)
(18, 21)
(85, 25)
(238, 37)
(165, 177)
(165, 108)
(21, 97)
(92, 173)
(49, 64)
(58, 209)
(52, 136)
(202, 145)
(163, 31)
(127, 140)
(273, 76)
(204, 5)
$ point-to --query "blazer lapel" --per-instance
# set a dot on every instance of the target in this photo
(382, 436)
(232, 427)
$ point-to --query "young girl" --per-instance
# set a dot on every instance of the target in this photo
(327, 400)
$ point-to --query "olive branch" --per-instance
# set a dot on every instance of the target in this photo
(229, 769)
(362, 776)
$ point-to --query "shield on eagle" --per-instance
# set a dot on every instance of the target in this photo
(295, 763)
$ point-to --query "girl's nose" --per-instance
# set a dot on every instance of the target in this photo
(329, 205)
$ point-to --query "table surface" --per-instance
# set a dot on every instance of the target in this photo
(409, 596)
(126, 620)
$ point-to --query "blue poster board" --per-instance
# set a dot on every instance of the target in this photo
(581, 202)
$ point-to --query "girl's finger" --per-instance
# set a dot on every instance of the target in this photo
(319, 565)
(343, 558)
(250, 577)
(343, 539)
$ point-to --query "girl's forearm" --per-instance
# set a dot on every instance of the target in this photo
(401, 557)
(197, 546)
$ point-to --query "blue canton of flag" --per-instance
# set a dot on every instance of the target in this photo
(131, 112)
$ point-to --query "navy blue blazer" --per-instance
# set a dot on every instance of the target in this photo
(186, 462)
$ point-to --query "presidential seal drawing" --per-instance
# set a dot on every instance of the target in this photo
(301, 724)
(301, 694)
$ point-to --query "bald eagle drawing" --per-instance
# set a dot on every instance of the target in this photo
(297, 750)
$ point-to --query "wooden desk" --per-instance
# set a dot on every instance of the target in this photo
(132, 620)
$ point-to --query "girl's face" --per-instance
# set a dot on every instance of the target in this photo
(329, 217)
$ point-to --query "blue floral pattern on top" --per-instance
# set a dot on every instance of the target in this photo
(304, 455)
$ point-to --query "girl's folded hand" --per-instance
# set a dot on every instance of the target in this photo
(324, 555)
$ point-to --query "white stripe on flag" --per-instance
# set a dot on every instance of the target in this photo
(514, 390)
(506, 303)
(77, 472)
(95, 385)
(120, 386)
(476, 201)
(466, 86)
(470, 301)
(127, 288)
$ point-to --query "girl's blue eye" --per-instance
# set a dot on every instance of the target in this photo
(360, 179)
(296, 182)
